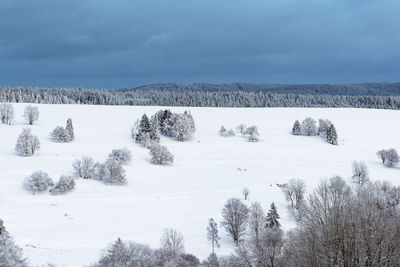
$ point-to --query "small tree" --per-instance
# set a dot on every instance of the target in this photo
(212, 234)
(222, 130)
(331, 135)
(6, 113)
(122, 155)
(360, 172)
(38, 181)
(84, 168)
(60, 134)
(144, 127)
(256, 221)
(160, 155)
(27, 144)
(31, 114)
(254, 137)
(235, 219)
(172, 243)
(308, 126)
(296, 130)
(241, 127)
(251, 130)
(70, 129)
(272, 217)
(64, 185)
(229, 133)
(389, 157)
(245, 193)
(112, 172)
(294, 192)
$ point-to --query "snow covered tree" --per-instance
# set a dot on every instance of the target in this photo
(212, 261)
(64, 185)
(323, 128)
(135, 129)
(229, 133)
(308, 126)
(254, 137)
(222, 130)
(235, 219)
(184, 127)
(70, 129)
(172, 242)
(31, 114)
(38, 181)
(10, 253)
(272, 217)
(389, 157)
(60, 134)
(296, 130)
(6, 113)
(331, 135)
(84, 168)
(27, 144)
(154, 129)
(160, 155)
(212, 234)
(112, 172)
(251, 130)
(360, 172)
(144, 127)
(245, 193)
(241, 127)
(122, 155)
(256, 221)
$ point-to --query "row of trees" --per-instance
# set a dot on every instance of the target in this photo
(151, 97)
(250, 132)
(31, 113)
(325, 130)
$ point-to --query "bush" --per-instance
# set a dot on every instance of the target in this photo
(122, 155)
(84, 168)
(38, 181)
(160, 155)
(64, 185)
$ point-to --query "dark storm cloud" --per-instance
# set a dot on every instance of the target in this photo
(98, 43)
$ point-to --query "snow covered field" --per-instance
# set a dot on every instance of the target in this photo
(72, 229)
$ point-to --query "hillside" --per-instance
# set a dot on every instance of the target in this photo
(72, 229)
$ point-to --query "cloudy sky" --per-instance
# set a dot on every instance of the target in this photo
(126, 43)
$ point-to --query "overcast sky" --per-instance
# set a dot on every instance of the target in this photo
(116, 44)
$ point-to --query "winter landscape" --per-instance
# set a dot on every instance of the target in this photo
(72, 229)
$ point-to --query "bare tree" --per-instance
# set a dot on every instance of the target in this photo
(256, 221)
(172, 242)
(212, 234)
(245, 193)
(84, 168)
(389, 157)
(235, 218)
(360, 172)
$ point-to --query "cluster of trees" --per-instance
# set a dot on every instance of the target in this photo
(226, 133)
(389, 157)
(109, 172)
(63, 135)
(31, 113)
(176, 125)
(250, 132)
(325, 130)
(39, 181)
(199, 98)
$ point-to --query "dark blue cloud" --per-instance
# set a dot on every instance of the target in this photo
(112, 44)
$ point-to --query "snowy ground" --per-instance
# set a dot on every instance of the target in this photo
(72, 230)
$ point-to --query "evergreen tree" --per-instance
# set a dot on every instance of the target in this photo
(272, 217)
(154, 127)
(144, 127)
(10, 253)
(331, 136)
(70, 129)
(296, 130)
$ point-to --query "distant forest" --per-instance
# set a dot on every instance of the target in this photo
(367, 95)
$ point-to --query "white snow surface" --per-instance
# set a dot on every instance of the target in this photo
(72, 229)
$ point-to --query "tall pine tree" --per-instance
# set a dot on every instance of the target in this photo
(331, 135)
(272, 217)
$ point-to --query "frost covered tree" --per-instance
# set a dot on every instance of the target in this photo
(389, 157)
(294, 192)
(84, 168)
(272, 217)
(254, 137)
(256, 221)
(27, 143)
(31, 114)
(360, 172)
(6, 113)
(172, 242)
(123, 155)
(241, 127)
(245, 193)
(184, 127)
(144, 127)
(251, 130)
(154, 129)
(212, 234)
(212, 261)
(64, 185)
(160, 155)
(70, 129)
(229, 133)
(323, 128)
(235, 219)
(296, 129)
(112, 172)
(308, 126)
(10, 253)
(60, 134)
(222, 130)
(38, 181)
(331, 135)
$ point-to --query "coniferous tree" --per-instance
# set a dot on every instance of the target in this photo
(272, 217)
(296, 130)
(331, 135)
(144, 127)
(70, 129)
(10, 253)
(154, 129)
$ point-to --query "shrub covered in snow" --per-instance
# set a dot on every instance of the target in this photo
(64, 185)
(31, 114)
(84, 168)
(122, 155)
(27, 144)
(63, 135)
(111, 172)
(160, 155)
(38, 181)
(6, 113)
